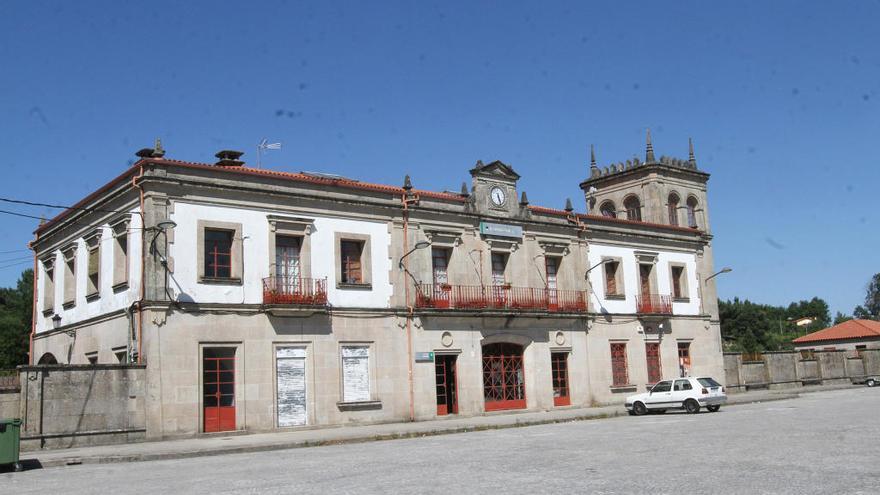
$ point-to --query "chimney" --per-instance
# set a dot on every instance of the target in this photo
(229, 158)
(155, 152)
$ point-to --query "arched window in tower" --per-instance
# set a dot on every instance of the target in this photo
(692, 212)
(608, 210)
(633, 208)
(672, 207)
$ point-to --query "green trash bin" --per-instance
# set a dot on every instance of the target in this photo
(10, 437)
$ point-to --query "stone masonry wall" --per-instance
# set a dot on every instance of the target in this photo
(74, 405)
(792, 369)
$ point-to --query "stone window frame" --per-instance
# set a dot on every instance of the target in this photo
(120, 230)
(692, 206)
(366, 260)
(69, 254)
(684, 289)
(293, 227)
(672, 208)
(93, 245)
(49, 285)
(620, 293)
(603, 209)
(236, 258)
(647, 258)
(373, 402)
(633, 213)
(506, 272)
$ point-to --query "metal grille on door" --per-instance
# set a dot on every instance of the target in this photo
(503, 377)
(290, 364)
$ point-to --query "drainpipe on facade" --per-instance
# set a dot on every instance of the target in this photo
(407, 198)
(33, 309)
(409, 314)
(140, 301)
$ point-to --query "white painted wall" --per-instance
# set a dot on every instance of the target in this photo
(109, 300)
(631, 279)
(255, 248)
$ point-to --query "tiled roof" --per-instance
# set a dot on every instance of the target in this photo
(329, 181)
(852, 329)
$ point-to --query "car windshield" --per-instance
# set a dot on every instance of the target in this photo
(661, 387)
(708, 382)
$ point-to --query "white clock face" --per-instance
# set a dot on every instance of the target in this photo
(498, 196)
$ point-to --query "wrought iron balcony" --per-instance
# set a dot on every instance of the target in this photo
(654, 304)
(445, 296)
(295, 291)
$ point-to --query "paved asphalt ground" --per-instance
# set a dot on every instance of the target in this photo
(824, 442)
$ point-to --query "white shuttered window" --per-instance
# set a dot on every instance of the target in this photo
(291, 373)
(355, 373)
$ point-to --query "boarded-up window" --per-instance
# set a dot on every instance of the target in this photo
(355, 373)
(677, 274)
(619, 372)
(120, 256)
(94, 269)
(351, 262)
(69, 276)
(551, 265)
(499, 261)
(291, 376)
(440, 264)
(672, 208)
(652, 353)
(611, 276)
(49, 286)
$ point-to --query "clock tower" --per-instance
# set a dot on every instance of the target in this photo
(494, 189)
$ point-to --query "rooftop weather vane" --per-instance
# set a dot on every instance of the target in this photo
(265, 145)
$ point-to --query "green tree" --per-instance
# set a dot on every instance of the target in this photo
(16, 315)
(751, 327)
(840, 318)
(871, 309)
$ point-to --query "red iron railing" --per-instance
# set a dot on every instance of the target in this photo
(654, 304)
(444, 296)
(294, 290)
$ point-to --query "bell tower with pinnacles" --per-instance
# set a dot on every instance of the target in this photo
(668, 191)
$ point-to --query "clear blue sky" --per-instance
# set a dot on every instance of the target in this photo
(782, 100)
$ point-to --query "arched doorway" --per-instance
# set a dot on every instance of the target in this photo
(47, 358)
(504, 382)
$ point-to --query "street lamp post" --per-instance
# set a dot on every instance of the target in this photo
(409, 317)
(726, 269)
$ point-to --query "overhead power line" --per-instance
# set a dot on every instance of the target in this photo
(47, 205)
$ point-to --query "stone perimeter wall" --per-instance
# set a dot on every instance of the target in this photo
(75, 405)
(789, 369)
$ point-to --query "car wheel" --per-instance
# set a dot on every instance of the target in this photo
(639, 409)
(714, 408)
(871, 382)
(692, 406)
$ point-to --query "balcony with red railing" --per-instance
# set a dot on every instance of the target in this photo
(653, 304)
(296, 291)
(477, 297)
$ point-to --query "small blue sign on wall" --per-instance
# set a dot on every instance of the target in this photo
(501, 230)
(424, 357)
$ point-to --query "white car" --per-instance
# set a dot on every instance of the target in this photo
(689, 394)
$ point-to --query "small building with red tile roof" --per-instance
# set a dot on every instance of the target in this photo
(849, 335)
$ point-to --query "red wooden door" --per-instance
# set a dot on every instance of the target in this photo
(559, 372)
(504, 384)
(218, 388)
(447, 390)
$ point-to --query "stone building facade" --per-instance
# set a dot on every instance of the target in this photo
(262, 300)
